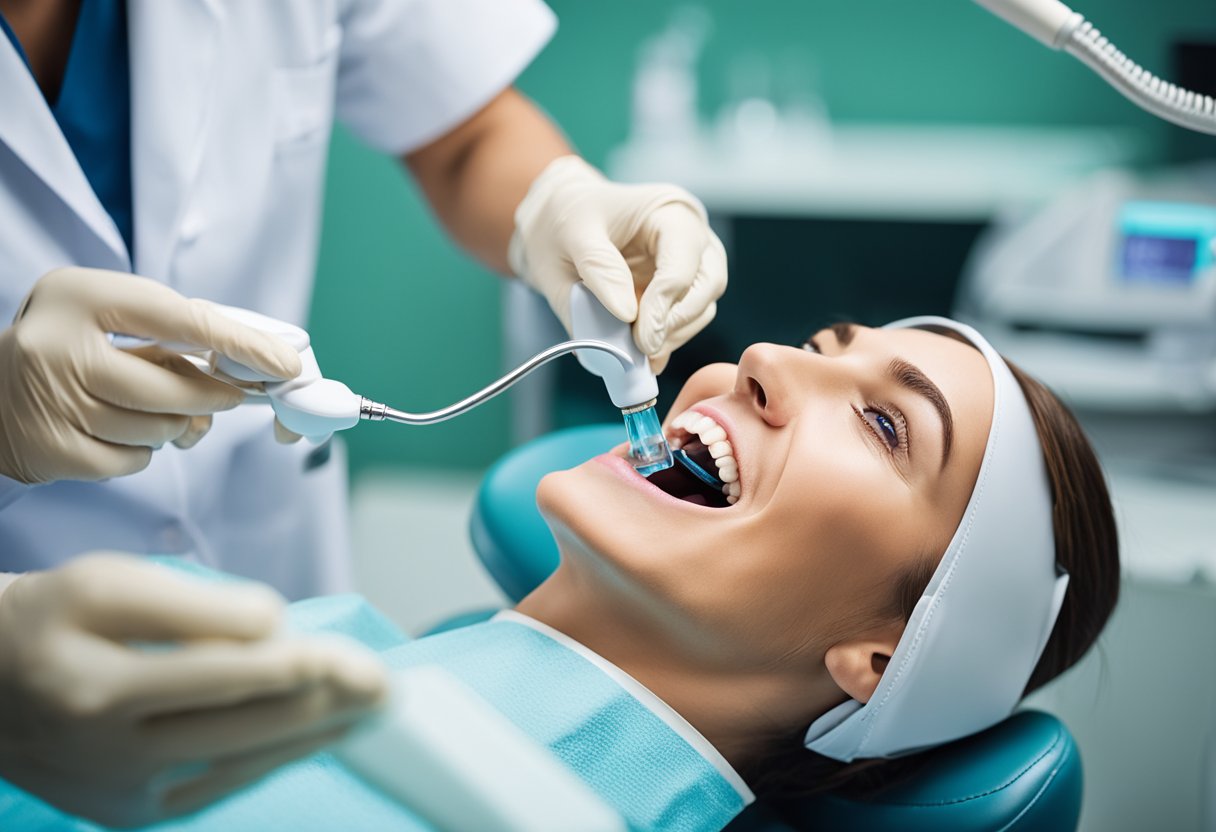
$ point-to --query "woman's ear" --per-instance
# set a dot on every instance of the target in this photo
(857, 665)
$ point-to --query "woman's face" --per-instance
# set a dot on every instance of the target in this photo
(855, 460)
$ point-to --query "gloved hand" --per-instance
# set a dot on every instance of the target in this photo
(126, 734)
(646, 251)
(72, 406)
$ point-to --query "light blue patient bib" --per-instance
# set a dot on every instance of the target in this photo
(629, 756)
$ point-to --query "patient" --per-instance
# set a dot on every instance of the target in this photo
(769, 617)
(855, 458)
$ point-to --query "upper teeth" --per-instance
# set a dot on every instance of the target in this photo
(713, 437)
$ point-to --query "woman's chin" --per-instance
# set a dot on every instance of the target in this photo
(594, 515)
(557, 495)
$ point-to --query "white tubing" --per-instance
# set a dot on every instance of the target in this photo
(1055, 25)
(1159, 97)
(1047, 21)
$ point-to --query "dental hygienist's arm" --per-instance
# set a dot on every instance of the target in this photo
(475, 175)
(98, 723)
(506, 186)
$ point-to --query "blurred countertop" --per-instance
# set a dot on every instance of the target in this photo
(876, 171)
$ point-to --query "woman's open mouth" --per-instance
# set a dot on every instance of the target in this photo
(706, 443)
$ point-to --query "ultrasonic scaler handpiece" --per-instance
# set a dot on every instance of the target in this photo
(314, 406)
(648, 448)
(377, 412)
(631, 384)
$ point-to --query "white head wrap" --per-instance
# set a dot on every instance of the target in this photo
(980, 626)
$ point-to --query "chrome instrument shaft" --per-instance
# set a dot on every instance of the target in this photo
(378, 412)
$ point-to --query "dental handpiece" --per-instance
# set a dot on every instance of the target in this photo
(631, 384)
(604, 346)
(377, 412)
(314, 406)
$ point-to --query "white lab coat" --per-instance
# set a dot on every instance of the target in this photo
(232, 103)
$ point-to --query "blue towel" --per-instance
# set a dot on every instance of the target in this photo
(630, 757)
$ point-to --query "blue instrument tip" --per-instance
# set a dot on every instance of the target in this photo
(648, 449)
(682, 457)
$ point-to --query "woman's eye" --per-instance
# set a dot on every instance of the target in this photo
(884, 426)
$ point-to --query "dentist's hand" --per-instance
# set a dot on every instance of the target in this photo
(99, 724)
(646, 251)
(72, 406)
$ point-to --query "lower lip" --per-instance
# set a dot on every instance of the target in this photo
(621, 468)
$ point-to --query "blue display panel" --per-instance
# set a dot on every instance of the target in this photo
(1165, 243)
(1158, 259)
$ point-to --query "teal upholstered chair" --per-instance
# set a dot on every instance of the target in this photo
(1023, 774)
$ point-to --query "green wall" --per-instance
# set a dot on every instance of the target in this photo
(399, 314)
(402, 316)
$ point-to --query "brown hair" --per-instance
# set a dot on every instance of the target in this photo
(1087, 547)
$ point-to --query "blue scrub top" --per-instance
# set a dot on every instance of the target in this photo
(93, 108)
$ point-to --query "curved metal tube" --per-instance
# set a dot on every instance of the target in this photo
(377, 412)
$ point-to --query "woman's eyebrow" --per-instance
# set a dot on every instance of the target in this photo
(911, 378)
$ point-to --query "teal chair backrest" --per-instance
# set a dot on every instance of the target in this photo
(1023, 774)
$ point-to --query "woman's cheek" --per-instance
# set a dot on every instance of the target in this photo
(707, 382)
(614, 524)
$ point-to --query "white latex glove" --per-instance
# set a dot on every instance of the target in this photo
(646, 251)
(72, 406)
(100, 724)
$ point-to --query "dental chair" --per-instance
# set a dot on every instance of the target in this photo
(1023, 774)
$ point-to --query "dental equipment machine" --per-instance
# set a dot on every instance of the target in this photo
(314, 406)
(1057, 26)
(1108, 293)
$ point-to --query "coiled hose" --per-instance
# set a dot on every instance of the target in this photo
(1161, 98)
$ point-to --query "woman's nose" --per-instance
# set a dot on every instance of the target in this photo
(767, 380)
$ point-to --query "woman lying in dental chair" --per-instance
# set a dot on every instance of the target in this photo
(913, 535)
(907, 517)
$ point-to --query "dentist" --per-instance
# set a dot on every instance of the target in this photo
(155, 153)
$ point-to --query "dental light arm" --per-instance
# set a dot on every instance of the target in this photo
(1056, 25)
